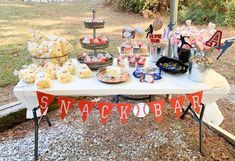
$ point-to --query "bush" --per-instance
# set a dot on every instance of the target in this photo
(205, 11)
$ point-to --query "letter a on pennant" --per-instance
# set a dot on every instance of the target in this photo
(85, 108)
(124, 109)
(215, 40)
(195, 99)
(176, 104)
(44, 100)
(105, 108)
(65, 105)
(157, 108)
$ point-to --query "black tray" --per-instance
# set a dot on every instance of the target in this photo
(182, 67)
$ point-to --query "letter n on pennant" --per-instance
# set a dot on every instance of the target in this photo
(65, 104)
(196, 100)
(124, 109)
(44, 100)
(177, 104)
(157, 108)
(85, 108)
(105, 108)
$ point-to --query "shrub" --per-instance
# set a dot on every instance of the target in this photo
(205, 11)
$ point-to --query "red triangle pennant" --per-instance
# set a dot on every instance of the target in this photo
(176, 104)
(85, 108)
(44, 100)
(157, 108)
(65, 104)
(196, 100)
(105, 109)
(124, 109)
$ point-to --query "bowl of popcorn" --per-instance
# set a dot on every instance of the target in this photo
(51, 48)
(199, 67)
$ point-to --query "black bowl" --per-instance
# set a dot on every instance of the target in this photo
(177, 69)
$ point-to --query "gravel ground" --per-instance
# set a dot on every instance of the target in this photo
(139, 139)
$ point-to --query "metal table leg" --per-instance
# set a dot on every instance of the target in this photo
(200, 120)
(36, 128)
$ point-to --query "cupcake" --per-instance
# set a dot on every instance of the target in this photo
(128, 49)
(121, 61)
(144, 49)
(136, 48)
(132, 62)
(141, 61)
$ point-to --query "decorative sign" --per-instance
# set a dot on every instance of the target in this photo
(44, 100)
(85, 108)
(196, 100)
(215, 40)
(141, 110)
(124, 110)
(65, 104)
(177, 104)
(155, 38)
(105, 108)
(157, 108)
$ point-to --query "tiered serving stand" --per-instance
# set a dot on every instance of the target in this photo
(94, 24)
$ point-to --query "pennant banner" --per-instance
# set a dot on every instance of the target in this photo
(124, 109)
(196, 100)
(44, 100)
(177, 104)
(85, 108)
(105, 108)
(65, 104)
(157, 108)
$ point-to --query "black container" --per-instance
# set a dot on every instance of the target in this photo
(180, 67)
(184, 55)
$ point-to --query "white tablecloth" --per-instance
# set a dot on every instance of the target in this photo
(215, 87)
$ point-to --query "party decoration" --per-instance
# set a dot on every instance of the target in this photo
(44, 100)
(215, 40)
(157, 108)
(149, 30)
(196, 99)
(149, 78)
(155, 38)
(85, 108)
(124, 109)
(65, 104)
(157, 24)
(105, 108)
(176, 104)
(141, 110)
(227, 44)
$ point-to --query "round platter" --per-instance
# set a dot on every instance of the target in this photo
(97, 65)
(94, 46)
(101, 76)
(94, 24)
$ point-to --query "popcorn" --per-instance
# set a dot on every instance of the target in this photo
(64, 76)
(71, 66)
(43, 80)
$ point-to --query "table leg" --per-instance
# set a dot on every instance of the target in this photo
(35, 133)
(48, 121)
(200, 119)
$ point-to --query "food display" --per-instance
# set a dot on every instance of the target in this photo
(172, 66)
(42, 80)
(48, 48)
(133, 47)
(96, 59)
(136, 60)
(64, 76)
(83, 71)
(154, 71)
(71, 66)
(28, 73)
(51, 69)
(112, 75)
(121, 61)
